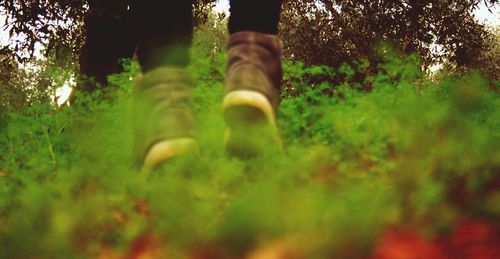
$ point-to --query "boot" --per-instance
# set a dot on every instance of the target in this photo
(252, 95)
(163, 117)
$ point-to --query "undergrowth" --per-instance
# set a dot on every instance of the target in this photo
(412, 152)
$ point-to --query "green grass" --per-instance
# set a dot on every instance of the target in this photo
(411, 152)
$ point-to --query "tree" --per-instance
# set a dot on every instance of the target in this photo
(332, 32)
(57, 25)
(52, 23)
(488, 62)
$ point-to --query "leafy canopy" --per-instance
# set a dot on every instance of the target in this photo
(334, 31)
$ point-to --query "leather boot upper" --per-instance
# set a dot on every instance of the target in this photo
(254, 63)
(162, 108)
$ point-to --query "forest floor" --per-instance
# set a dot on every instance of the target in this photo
(410, 169)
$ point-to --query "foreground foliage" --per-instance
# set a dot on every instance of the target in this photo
(409, 168)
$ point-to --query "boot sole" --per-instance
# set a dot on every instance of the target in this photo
(251, 127)
(168, 149)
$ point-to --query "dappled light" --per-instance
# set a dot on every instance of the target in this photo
(63, 93)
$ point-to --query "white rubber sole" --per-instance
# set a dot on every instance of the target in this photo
(249, 119)
(252, 99)
(167, 149)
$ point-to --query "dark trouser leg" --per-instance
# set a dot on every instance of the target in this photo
(254, 15)
(164, 30)
(164, 123)
(108, 39)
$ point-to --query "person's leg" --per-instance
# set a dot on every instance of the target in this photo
(254, 15)
(253, 78)
(164, 122)
(164, 30)
(108, 39)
